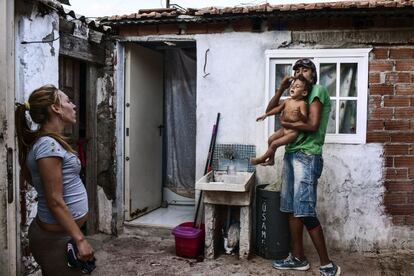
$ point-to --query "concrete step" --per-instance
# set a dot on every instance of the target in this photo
(151, 232)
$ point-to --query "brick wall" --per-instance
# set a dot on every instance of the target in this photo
(391, 122)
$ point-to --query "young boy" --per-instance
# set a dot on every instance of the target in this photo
(292, 110)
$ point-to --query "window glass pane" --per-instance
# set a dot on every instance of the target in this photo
(328, 77)
(347, 116)
(282, 70)
(332, 118)
(348, 80)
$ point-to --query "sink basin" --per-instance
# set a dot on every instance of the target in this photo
(221, 181)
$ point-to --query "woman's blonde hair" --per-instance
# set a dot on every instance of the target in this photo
(38, 106)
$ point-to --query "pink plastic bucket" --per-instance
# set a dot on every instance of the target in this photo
(189, 241)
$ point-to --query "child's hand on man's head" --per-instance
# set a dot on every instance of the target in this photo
(285, 83)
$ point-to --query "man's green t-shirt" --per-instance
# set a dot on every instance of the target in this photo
(312, 142)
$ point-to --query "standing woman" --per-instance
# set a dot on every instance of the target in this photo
(52, 167)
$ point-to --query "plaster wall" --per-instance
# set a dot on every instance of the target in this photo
(231, 80)
(38, 63)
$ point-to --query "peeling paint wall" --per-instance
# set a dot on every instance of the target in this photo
(106, 140)
(351, 189)
(36, 64)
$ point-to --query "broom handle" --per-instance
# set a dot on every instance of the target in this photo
(208, 164)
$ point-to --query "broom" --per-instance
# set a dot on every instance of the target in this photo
(209, 161)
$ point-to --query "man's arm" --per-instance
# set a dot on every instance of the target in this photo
(303, 114)
(314, 118)
(274, 101)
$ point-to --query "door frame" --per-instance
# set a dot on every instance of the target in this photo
(119, 80)
(9, 256)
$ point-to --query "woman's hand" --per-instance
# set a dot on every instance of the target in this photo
(261, 118)
(85, 250)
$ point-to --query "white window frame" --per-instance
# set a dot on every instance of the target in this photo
(359, 55)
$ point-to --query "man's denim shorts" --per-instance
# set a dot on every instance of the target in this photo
(300, 178)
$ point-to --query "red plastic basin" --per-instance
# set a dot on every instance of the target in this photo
(189, 241)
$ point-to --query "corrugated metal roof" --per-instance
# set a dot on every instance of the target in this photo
(149, 16)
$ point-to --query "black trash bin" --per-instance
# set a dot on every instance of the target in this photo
(272, 226)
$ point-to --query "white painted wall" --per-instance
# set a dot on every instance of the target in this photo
(235, 87)
(350, 191)
(38, 63)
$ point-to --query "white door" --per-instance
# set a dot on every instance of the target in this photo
(143, 130)
(9, 233)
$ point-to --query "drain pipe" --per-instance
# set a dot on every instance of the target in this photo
(167, 4)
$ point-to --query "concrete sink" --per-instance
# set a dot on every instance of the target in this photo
(238, 182)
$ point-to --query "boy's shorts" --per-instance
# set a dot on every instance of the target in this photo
(299, 180)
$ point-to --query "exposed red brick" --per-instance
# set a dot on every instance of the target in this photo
(409, 220)
(404, 112)
(402, 138)
(404, 89)
(395, 198)
(396, 124)
(375, 125)
(343, 23)
(242, 26)
(392, 173)
(396, 77)
(196, 29)
(410, 197)
(374, 101)
(380, 66)
(378, 137)
(148, 30)
(168, 29)
(217, 27)
(401, 53)
(411, 173)
(399, 220)
(404, 161)
(379, 53)
(381, 113)
(390, 150)
(374, 78)
(381, 89)
(404, 65)
(129, 31)
(399, 186)
(396, 101)
(406, 209)
(389, 162)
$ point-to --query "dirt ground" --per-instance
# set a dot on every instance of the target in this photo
(128, 255)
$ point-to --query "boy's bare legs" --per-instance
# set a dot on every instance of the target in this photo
(278, 134)
(270, 153)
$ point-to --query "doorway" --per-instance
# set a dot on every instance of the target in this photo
(77, 79)
(160, 129)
